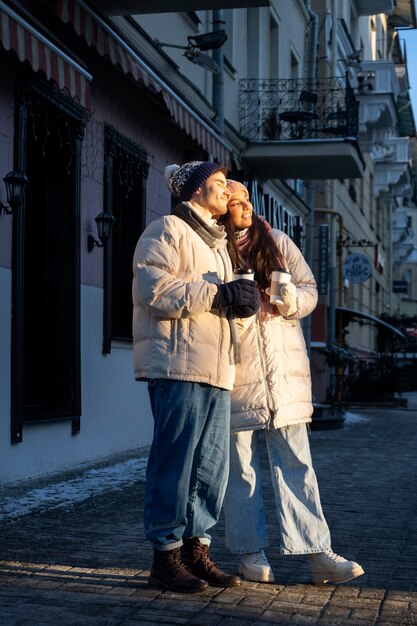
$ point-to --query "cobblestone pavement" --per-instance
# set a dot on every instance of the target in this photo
(84, 560)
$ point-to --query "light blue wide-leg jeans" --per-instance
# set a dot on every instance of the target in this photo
(303, 527)
(188, 463)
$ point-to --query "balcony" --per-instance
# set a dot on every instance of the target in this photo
(378, 110)
(406, 123)
(392, 167)
(372, 7)
(299, 129)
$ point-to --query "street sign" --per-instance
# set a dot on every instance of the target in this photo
(323, 277)
(357, 267)
(400, 286)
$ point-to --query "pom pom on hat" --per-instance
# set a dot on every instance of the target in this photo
(184, 181)
(170, 171)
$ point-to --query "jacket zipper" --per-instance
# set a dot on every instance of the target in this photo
(221, 314)
(263, 367)
(174, 330)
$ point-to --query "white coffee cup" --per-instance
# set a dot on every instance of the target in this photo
(278, 278)
(243, 273)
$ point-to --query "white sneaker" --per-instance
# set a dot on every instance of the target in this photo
(328, 567)
(255, 567)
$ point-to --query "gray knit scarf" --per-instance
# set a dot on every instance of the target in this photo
(211, 236)
(214, 239)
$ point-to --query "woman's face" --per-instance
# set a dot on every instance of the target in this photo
(240, 209)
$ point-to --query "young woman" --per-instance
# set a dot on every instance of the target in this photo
(272, 392)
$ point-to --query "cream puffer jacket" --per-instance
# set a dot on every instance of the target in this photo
(175, 334)
(273, 384)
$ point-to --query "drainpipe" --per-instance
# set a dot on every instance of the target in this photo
(218, 79)
(312, 65)
(333, 196)
(311, 76)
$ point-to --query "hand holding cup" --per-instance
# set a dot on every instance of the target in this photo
(279, 278)
(289, 298)
(283, 293)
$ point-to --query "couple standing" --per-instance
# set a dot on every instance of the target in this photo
(198, 335)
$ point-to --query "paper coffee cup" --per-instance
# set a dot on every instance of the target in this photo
(243, 273)
(278, 278)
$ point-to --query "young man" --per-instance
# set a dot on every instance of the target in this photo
(185, 344)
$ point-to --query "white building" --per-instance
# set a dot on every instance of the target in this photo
(95, 104)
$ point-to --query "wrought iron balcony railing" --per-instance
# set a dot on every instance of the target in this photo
(288, 109)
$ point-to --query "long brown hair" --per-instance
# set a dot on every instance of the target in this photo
(263, 254)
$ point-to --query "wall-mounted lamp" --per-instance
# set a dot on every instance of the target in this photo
(15, 183)
(207, 41)
(105, 223)
(201, 59)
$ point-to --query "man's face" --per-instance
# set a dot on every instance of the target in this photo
(214, 194)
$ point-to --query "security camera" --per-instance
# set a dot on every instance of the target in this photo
(208, 41)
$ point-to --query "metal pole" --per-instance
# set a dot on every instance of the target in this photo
(333, 242)
(311, 75)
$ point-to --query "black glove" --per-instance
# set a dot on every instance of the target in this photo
(243, 310)
(238, 293)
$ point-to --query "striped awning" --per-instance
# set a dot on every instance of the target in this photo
(195, 129)
(97, 37)
(30, 45)
(98, 34)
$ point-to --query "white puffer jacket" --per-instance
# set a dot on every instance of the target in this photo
(175, 334)
(273, 384)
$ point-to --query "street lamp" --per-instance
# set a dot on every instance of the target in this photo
(16, 183)
(207, 41)
(105, 222)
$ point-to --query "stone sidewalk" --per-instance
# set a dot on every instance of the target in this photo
(77, 560)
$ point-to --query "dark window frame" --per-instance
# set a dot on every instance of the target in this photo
(118, 144)
(27, 83)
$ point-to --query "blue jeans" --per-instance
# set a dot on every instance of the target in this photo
(303, 527)
(188, 463)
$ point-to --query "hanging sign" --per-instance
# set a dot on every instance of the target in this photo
(323, 277)
(357, 268)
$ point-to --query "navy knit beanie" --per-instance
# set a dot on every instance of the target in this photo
(184, 181)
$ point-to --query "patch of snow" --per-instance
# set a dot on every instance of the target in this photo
(90, 483)
(354, 418)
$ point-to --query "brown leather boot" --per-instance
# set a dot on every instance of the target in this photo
(196, 557)
(169, 571)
